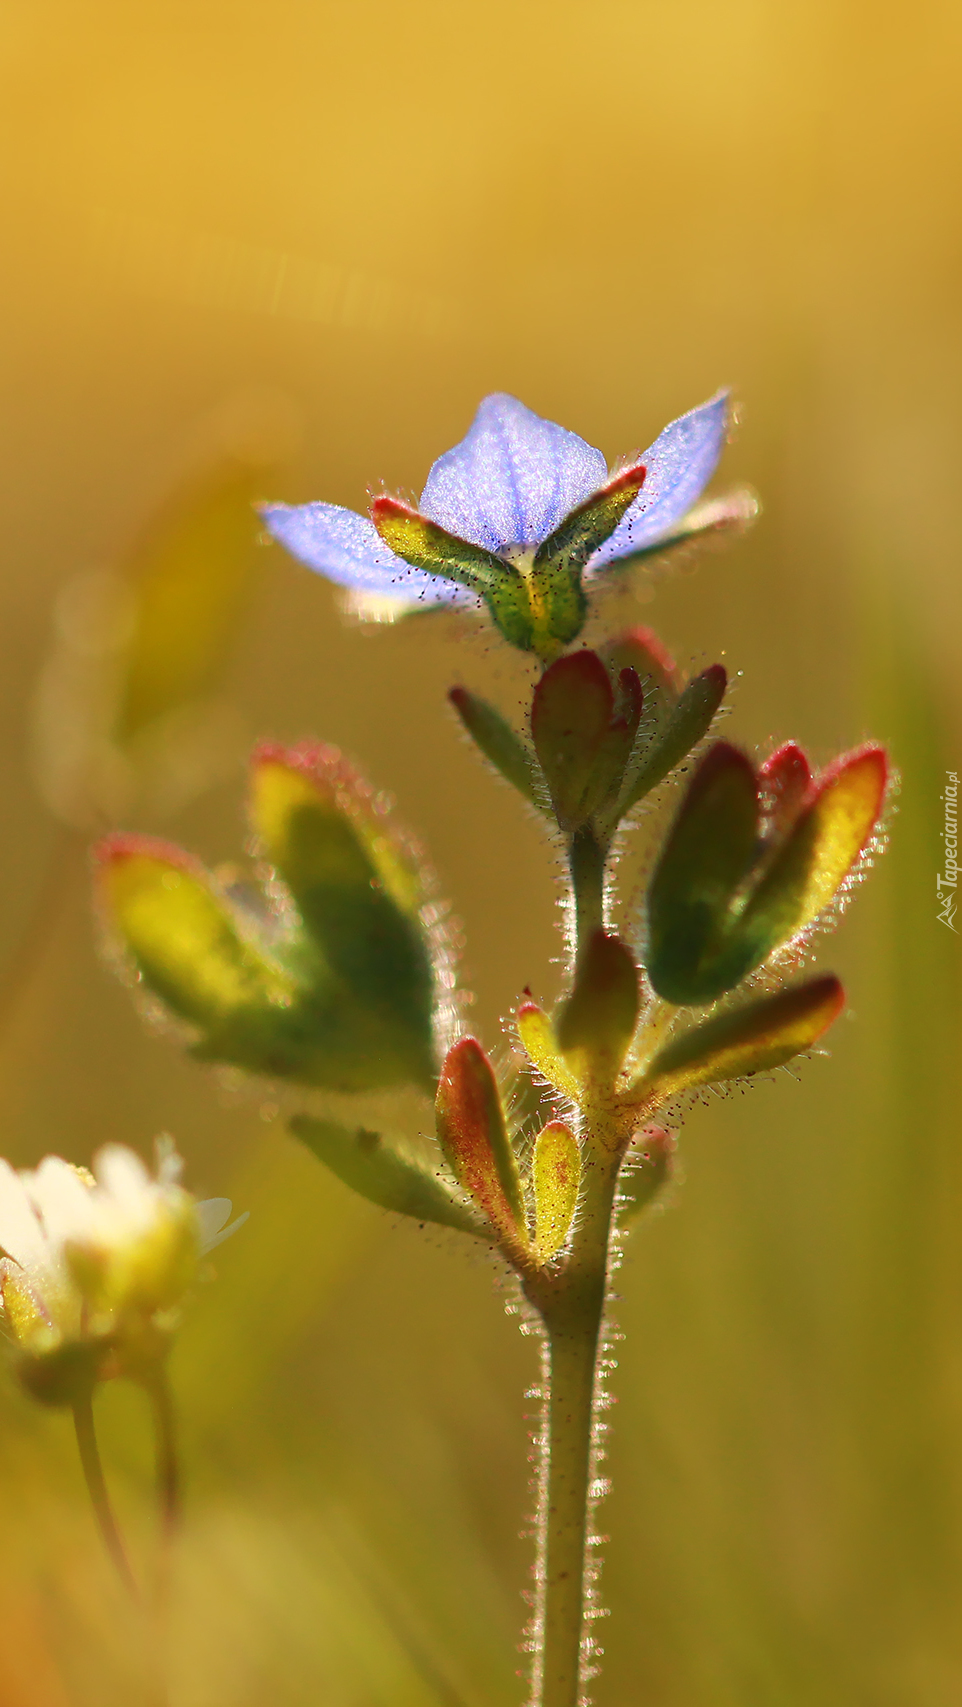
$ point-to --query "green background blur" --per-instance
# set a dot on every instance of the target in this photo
(343, 224)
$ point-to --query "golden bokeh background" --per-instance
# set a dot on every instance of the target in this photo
(284, 249)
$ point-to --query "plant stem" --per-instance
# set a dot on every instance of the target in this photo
(83, 1416)
(586, 859)
(572, 1307)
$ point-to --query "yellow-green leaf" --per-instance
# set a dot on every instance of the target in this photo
(556, 1175)
(541, 1045)
(752, 1039)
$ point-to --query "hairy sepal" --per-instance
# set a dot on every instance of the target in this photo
(430, 548)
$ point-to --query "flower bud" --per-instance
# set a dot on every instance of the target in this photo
(596, 1023)
(583, 737)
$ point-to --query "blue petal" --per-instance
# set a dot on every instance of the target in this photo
(680, 464)
(348, 549)
(513, 479)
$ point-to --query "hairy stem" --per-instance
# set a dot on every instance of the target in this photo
(586, 858)
(572, 1307)
(83, 1416)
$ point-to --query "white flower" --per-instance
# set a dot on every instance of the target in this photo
(101, 1261)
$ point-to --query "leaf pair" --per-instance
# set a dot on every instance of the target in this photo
(327, 977)
(752, 860)
(473, 1135)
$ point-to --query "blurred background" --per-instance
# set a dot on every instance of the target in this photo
(282, 250)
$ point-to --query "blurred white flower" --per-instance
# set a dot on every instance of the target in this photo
(94, 1266)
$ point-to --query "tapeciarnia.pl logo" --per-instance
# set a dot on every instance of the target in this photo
(947, 882)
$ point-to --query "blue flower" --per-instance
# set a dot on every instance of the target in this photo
(519, 515)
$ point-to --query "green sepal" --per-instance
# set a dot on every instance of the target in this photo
(596, 1024)
(686, 722)
(559, 603)
(708, 855)
(587, 526)
(752, 1039)
(496, 739)
(386, 1173)
(473, 1136)
(647, 1168)
(430, 548)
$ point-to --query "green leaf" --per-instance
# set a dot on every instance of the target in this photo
(498, 742)
(752, 1039)
(189, 947)
(641, 650)
(686, 723)
(537, 1035)
(386, 1173)
(357, 892)
(820, 850)
(582, 745)
(709, 853)
(189, 576)
(473, 1135)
